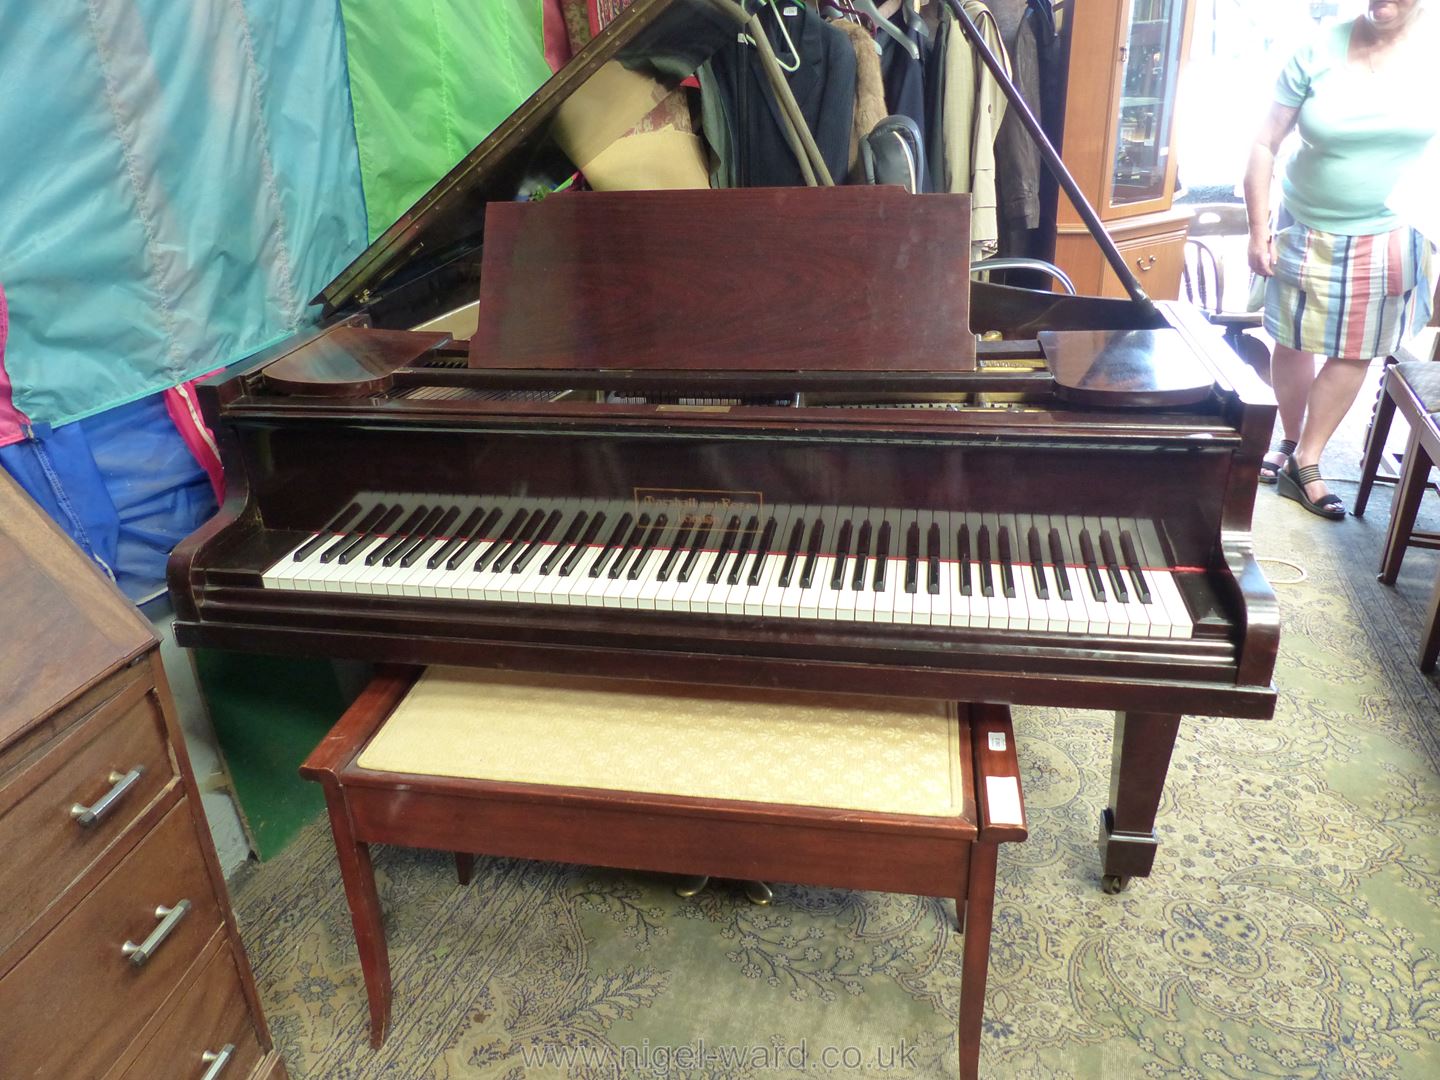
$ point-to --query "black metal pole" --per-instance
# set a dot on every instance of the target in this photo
(1052, 159)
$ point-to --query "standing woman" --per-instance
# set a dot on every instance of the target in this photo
(1348, 280)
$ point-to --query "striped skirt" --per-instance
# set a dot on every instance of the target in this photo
(1352, 297)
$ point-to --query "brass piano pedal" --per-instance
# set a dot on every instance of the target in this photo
(692, 885)
(757, 892)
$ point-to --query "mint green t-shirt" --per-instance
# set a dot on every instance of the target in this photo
(1359, 131)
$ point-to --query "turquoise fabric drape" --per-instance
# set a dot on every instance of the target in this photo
(176, 181)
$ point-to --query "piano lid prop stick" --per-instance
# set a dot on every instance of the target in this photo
(1052, 159)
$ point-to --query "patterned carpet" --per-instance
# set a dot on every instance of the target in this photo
(1290, 928)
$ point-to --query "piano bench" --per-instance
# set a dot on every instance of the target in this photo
(1412, 388)
(811, 788)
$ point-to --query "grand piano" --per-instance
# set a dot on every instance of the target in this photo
(771, 437)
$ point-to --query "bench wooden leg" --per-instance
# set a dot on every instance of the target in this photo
(975, 963)
(1430, 632)
(1413, 477)
(359, 878)
(464, 867)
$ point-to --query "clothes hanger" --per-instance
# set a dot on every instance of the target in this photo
(794, 64)
(868, 9)
(912, 19)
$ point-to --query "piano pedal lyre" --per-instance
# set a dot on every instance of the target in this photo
(757, 892)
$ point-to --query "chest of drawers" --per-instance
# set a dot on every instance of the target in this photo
(119, 955)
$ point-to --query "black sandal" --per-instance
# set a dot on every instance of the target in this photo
(1292, 486)
(1268, 469)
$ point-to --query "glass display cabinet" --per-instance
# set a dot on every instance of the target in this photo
(1125, 59)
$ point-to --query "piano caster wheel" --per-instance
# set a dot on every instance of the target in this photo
(1112, 884)
(758, 893)
(690, 886)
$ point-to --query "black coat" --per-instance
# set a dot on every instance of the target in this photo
(824, 88)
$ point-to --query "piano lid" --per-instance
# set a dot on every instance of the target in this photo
(665, 39)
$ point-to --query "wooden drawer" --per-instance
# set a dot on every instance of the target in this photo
(207, 1015)
(76, 1000)
(1155, 260)
(36, 821)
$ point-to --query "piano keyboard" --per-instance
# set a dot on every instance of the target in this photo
(1038, 573)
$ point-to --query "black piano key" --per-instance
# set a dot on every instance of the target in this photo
(412, 551)
(842, 552)
(572, 533)
(1007, 564)
(932, 561)
(1132, 560)
(460, 536)
(792, 552)
(812, 553)
(1112, 564)
(982, 559)
(386, 519)
(1057, 563)
(748, 536)
(762, 551)
(862, 553)
(419, 534)
(365, 524)
(697, 547)
(673, 556)
(398, 537)
(632, 545)
(592, 530)
(912, 557)
(501, 542)
(546, 528)
(474, 540)
(962, 556)
(882, 558)
(728, 536)
(1092, 566)
(647, 547)
(1037, 563)
(519, 540)
(617, 536)
(325, 535)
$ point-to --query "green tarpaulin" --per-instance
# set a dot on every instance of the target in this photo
(430, 79)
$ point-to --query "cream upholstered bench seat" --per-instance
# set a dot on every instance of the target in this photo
(867, 793)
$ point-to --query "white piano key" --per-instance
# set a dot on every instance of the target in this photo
(1153, 552)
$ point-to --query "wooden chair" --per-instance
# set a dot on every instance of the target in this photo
(1426, 345)
(1412, 387)
(1202, 283)
(504, 763)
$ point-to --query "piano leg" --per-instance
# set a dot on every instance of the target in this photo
(1143, 743)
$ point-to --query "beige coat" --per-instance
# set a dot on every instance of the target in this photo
(974, 106)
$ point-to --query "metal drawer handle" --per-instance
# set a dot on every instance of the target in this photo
(169, 919)
(120, 783)
(217, 1060)
(1143, 265)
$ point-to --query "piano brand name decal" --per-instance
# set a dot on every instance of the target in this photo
(701, 500)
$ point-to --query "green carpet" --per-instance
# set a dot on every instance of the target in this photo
(1289, 930)
(269, 712)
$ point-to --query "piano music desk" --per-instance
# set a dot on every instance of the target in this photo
(822, 789)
